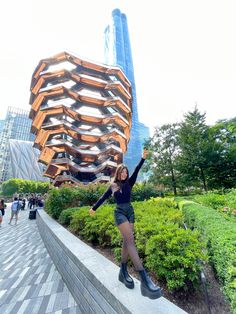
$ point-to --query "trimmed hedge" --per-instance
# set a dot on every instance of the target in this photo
(224, 203)
(167, 249)
(213, 200)
(221, 241)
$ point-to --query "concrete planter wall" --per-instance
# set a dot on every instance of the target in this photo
(93, 279)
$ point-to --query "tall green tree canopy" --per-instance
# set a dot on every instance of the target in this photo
(222, 172)
(24, 186)
(193, 154)
(193, 140)
(163, 152)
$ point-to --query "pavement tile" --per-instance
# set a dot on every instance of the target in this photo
(29, 281)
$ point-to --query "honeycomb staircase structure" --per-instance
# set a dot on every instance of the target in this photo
(81, 115)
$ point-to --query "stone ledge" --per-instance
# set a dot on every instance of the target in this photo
(93, 279)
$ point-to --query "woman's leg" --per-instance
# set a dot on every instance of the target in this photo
(148, 288)
(17, 213)
(124, 250)
(12, 214)
(126, 231)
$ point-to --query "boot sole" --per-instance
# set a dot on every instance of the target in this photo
(151, 294)
(128, 285)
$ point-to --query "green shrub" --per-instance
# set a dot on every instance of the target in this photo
(230, 199)
(66, 215)
(79, 219)
(169, 250)
(173, 253)
(89, 194)
(225, 204)
(157, 220)
(212, 200)
(221, 237)
(60, 199)
(66, 197)
(144, 191)
(97, 229)
(159, 209)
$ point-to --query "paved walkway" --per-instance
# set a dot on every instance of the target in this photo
(29, 281)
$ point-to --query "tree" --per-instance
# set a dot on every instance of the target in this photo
(195, 148)
(222, 171)
(24, 186)
(10, 187)
(192, 154)
(163, 151)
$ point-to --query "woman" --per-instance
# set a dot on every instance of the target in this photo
(124, 219)
(15, 208)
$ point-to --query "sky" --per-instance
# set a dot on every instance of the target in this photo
(184, 51)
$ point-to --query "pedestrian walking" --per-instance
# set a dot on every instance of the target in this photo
(15, 208)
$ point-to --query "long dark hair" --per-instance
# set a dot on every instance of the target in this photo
(119, 169)
(117, 183)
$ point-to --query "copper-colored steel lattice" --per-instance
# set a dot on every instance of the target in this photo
(81, 114)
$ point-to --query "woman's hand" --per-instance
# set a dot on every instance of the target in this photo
(145, 153)
(92, 212)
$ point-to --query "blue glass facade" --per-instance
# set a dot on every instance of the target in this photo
(118, 52)
(143, 132)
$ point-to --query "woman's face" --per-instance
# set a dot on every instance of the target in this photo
(123, 174)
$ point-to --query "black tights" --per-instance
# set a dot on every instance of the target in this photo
(128, 247)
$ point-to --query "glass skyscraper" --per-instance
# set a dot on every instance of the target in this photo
(144, 133)
(16, 126)
(1, 126)
(118, 52)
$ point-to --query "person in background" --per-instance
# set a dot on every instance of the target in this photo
(15, 208)
(124, 219)
(23, 203)
(2, 211)
(33, 201)
(40, 202)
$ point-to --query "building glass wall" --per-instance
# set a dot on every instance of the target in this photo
(16, 126)
(1, 126)
(143, 133)
(118, 52)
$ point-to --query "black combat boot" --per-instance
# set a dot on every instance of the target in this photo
(148, 288)
(125, 277)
